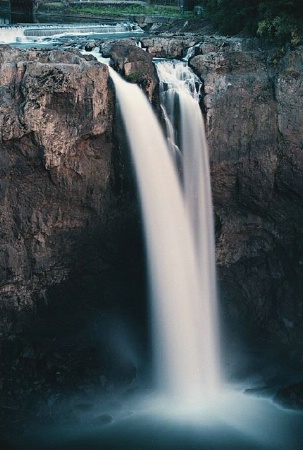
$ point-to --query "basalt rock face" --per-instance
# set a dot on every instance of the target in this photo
(253, 108)
(70, 245)
(56, 152)
(69, 234)
(56, 123)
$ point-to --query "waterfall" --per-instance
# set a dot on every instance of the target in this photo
(180, 94)
(180, 245)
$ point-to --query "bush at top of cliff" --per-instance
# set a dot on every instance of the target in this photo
(281, 20)
(231, 16)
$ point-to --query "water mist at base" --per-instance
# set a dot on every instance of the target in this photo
(234, 422)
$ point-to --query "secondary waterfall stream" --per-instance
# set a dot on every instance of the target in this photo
(180, 95)
(179, 239)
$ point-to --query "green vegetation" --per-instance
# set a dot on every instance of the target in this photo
(134, 76)
(51, 5)
(281, 20)
(132, 9)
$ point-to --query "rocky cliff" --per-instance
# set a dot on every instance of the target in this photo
(253, 103)
(57, 204)
(56, 125)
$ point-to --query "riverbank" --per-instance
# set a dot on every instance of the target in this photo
(141, 12)
(110, 8)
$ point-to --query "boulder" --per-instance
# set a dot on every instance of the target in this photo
(133, 63)
(167, 47)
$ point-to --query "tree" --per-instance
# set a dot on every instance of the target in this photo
(278, 19)
(232, 16)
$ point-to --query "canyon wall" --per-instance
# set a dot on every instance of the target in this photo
(56, 151)
(253, 109)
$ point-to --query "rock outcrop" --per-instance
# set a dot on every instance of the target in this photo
(164, 47)
(56, 151)
(68, 232)
(132, 63)
(56, 123)
(253, 108)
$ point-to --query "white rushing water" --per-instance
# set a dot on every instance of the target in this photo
(180, 246)
(39, 33)
(180, 95)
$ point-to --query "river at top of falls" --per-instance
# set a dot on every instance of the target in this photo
(47, 34)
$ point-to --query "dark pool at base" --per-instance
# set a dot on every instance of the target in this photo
(240, 423)
(150, 436)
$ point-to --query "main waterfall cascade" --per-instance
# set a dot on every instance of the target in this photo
(179, 239)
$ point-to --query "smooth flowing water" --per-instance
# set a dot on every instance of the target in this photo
(180, 96)
(174, 281)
